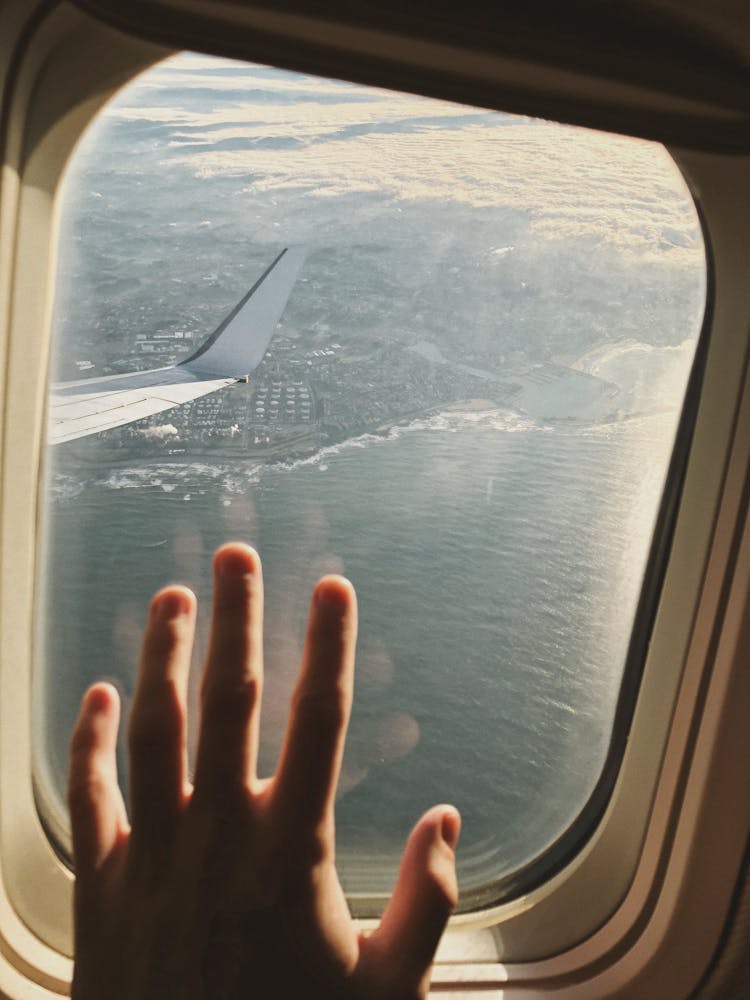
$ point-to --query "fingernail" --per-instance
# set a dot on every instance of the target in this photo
(236, 560)
(98, 699)
(172, 604)
(450, 827)
(333, 594)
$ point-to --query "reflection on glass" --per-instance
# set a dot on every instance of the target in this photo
(468, 408)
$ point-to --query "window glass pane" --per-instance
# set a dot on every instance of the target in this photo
(468, 407)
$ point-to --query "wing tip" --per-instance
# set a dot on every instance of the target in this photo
(299, 252)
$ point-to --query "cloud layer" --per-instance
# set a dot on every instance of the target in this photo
(300, 136)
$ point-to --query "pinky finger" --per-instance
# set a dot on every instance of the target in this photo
(97, 811)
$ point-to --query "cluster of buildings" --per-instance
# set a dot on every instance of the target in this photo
(276, 401)
(357, 392)
(177, 342)
(299, 397)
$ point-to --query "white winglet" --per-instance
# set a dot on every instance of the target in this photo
(238, 344)
(230, 354)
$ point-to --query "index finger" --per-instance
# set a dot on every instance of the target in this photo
(310, 763)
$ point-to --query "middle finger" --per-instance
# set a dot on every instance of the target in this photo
(233, 678)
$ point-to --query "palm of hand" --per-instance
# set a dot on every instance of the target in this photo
(228, 890)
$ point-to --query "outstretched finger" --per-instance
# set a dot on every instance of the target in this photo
(310, 762)
(97, 811)
(423, 900)
(233, 679)
(157, 729)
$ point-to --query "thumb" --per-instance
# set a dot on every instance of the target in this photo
(423, 900)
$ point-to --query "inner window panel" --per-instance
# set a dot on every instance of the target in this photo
(468, 407)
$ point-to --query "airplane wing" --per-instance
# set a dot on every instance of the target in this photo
(230, 354)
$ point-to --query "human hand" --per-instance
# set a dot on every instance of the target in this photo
(228, 890)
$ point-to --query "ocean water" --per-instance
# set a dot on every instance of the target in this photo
(497, 563)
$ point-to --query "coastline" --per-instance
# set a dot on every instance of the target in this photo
(291, 448)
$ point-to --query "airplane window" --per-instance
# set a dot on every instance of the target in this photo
(457, 378)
